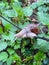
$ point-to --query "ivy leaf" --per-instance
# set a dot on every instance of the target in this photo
(3, 45)
(3, 56)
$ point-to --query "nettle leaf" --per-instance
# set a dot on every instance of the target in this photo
(10, 13)
(3, 56)
(43, 18)
(10, 51)
(27, 11)
(3, 45)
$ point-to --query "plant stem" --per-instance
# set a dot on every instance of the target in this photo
(10, 22)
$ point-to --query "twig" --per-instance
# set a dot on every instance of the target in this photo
(10, 22)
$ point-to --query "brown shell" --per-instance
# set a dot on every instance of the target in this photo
(35, 30)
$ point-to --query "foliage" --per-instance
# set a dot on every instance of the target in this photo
(24, 51)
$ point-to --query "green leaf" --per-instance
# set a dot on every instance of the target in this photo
(18, 9)
(43, 18)
(14, 58)
(43, 8)
(10, 13)
(27, 11)
(10, 51)
(17, 46)
(17, 59)
(38, 4)
(9, 60)
(1, 63)
(3, 56)
(33, 5)
(22, 50)
(1, 31)
(9, 37)
(3, 45)
(42, 45)
(11, 44)
(39, 56)
(6, 24)
(2, 5)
